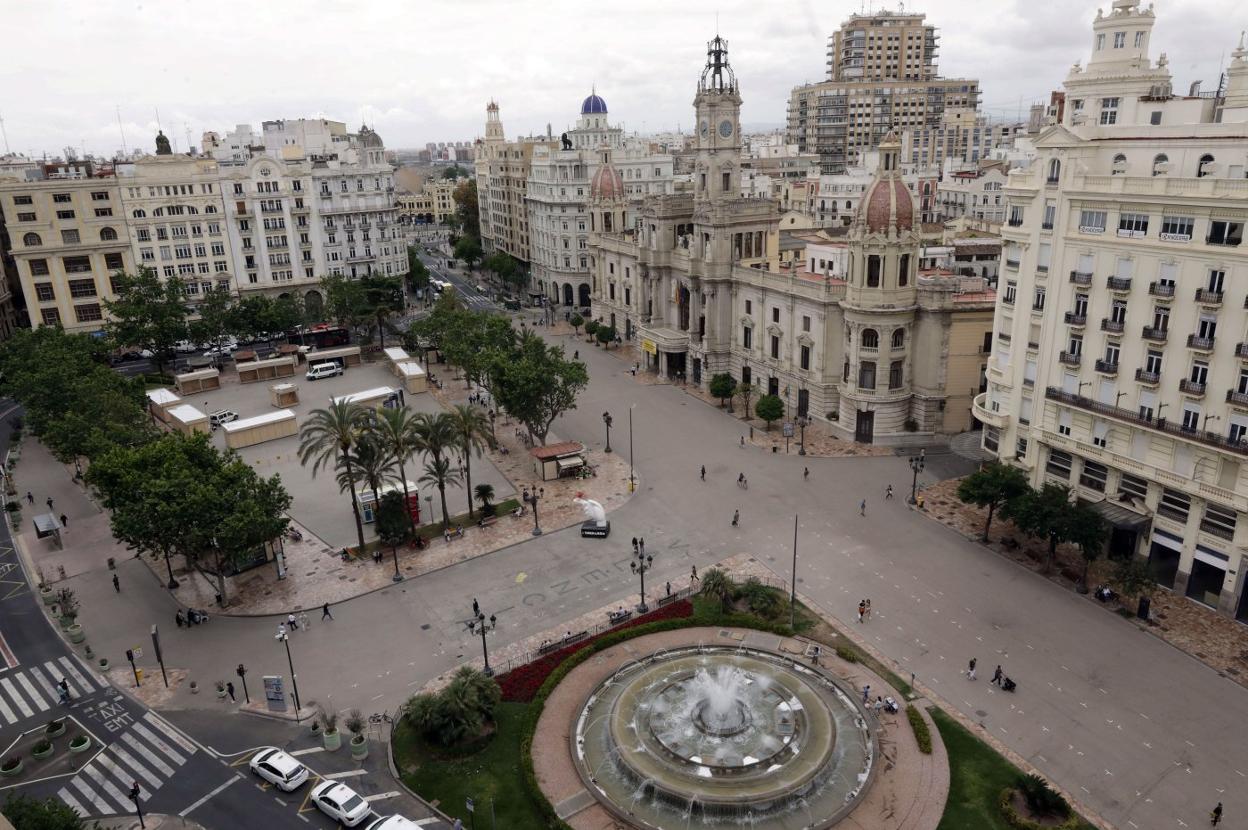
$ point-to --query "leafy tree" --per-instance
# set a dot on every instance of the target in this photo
(393, 522)
(536, 384)
(769, 408)
(475, 341)
(591, 327)
(329, 435)
(417, 273)
(992, 486)
(722, 386)
(468, 249)
(718, 585)
(26, 813)
(467, 216)
(149, 312)
(454, 172)
(344, 299)
(382, 298)
(216, 316)
(576, 321)
(395, 429)
(437, 327)
(439, 438)
(485, 495)
(246, 512)
(1047, 513)
(1133, 578)
(284, 314)
(605, 335)
(745, 391)
(472, 434)
(248, 317)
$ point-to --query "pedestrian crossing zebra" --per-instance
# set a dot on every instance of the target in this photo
(148, 753)
(26, 693)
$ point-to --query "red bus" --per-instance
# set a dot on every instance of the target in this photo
(320, 336)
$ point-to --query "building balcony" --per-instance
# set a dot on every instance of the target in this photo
(979, 408)
(1107, 368)
(1199, 344)
(1148, 378)
(1015, 223)
(1130, 416)
(1241, 350)
(1191, 387)
(1070, 358)
(1075, 319)
(1237, 398)
(1205, 296)
(1112, 326)
(1012, 263)
(1161, 289)
(1118, 283)
(1080, 278)
(1155, 334)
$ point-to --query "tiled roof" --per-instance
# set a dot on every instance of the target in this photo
(557, 450)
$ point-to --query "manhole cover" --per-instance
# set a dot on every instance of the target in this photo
(425, 627)
(980, 713)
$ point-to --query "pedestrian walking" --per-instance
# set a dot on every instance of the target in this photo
(736, 518)
(476, 608)
(669, 588)
(30, 497)
(878, 706)
(64, 520)
(997, 675)
(49, 502)
(805, 473)
(634, 543)
(862, 610)
(888, 492)
(704, 472)
(693, 573)
(866, 693)
(970, 669)
(1215, 817)
(281, 630)
(641, 543)
(116, 584)
(303, 621)
(325, 612)
(179, 618)
(229, 687)
(743, 440)
(862, 508)
(292, 622)
(868, 608)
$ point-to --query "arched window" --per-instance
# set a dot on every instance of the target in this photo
(32, 240)
(1158, 161)
(139, 213)
(870, 339)
(1120, 164)
(158, 212)
(1055, 171)
(192, 210)
(899, 338)
(1203, 168)
(107, 235)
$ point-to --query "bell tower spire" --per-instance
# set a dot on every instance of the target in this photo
(718, 108)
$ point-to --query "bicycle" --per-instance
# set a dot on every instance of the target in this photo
(381, 717)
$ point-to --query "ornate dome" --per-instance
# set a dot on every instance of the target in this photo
(593, 105)
(607, 184)
(887, 202)
(368, 138)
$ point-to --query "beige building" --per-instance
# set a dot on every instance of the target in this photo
(69, 236)
(882, 77)
(431, 203)
(502, 170)
(1119, 367)
(854, 333)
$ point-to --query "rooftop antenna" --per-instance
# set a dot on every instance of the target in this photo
(122, 128)
(5, 133)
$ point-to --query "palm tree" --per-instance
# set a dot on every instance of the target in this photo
(367, 463)
(439, 473)
(329, 434)
(485, 495)
(472, 433)
(719, 585)
(396, 430)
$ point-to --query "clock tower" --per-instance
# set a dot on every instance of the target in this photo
(717, 170)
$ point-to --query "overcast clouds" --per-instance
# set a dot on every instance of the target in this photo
(422, 71)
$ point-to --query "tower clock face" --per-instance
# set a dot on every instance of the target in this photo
(725, 128)
(705, 129)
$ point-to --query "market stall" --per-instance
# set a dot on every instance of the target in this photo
(188, 420)
(283, 395)
(413, 377)
(394, 356)
(159, 401)
(270, 426)
(258, 370)
(200, 380)
(344, 356)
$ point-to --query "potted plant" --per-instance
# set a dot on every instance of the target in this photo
(48, 594)
(75, 633)
(221, 689)
(194, 687)
(359, 744)
(11, 766)
(80, 743)
(103, 664)
(55, 728)
(42, 749)
(67, 606)
(328, 720)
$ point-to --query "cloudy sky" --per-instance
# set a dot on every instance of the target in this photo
(422, 70)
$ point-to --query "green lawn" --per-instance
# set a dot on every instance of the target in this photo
(493, 774)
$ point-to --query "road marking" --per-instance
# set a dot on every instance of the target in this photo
(30, 689)
(1189, 743)
(43, 682)
(348, 774)
(108, 786)
(381, 796)
(146, 753)
(129, 760)
(307, 751)
(71, 802)
(158, 743)
(10, 658)
(7, 712)
(1043, 760)
(99, 804)
(1240, 774)
(78, 678)
(16, 698)
(200, 803)
(121, 774)
(172, 733)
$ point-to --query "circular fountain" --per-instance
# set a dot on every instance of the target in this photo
(719, 736)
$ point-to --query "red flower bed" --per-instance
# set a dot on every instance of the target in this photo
(520, 685)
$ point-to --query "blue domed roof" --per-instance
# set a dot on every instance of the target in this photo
(593, 105)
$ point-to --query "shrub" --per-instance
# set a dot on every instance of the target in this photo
(459, 711)
(355, 722)
(12, 506)
(761, 599)
(922, 734)
(1042, 799)
(42, 746)
(10, 763)
(847, 654)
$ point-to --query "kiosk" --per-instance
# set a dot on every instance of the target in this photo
(270, 426)
(188, 420)
(258, 370)
(160, 401)
(414, 379)
(558, 460)
(201, 380)
(283, 395)
(344, 356)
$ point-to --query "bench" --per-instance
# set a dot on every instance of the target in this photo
(486, 521)
(548, 646)
(664, 600)
(618, 616)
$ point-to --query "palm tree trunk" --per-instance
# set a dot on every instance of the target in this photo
(446, 517)
(355, 504)
(468, 480)
(411, 520)
(381, 331)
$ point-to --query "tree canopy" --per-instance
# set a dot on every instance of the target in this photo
(149, 312)
(992, 486)
(467, 216)
(468, 248)
(722, 386)
(769, 408)
(536, 384)
(1048, 513)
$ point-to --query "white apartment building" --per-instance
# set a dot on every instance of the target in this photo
(977, 194)
(1120, 359)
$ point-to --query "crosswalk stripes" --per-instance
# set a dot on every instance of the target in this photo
(149, 752)
(31, 690)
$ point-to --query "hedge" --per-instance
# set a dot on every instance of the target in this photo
(922, 733)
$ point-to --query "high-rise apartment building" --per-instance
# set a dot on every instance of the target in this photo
(502, 170)
(882, 77)
(1119, 366)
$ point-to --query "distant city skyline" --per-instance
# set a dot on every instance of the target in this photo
(425, 76)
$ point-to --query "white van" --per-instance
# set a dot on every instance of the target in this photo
(323, 370)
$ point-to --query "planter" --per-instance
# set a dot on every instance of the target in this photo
(47, 595)
(221, 694)
(80, 744)
(103, 664)
(75, 633)
(10, 770)
(41, 753)
(194, 688)
(331, 740)
(54, 729)
(359, 747)
(66, 622)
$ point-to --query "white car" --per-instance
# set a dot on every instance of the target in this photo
(222, 416)
(279, 769)
(395, 822)
(340, 802)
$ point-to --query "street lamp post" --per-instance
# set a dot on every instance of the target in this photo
(802, 420)
(607, 419)
(632, 482)
(479, 623)
(284, 637)
(531, 499)
(917, 463)
(641, 563)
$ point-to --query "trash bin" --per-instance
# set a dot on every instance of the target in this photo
(775, 449)
(138, 676)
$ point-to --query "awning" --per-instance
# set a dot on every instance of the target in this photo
(570, 463)
(1121, 517)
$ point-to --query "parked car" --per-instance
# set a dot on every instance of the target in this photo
(340, 802)
(279, 769)
(323, 370)
(395, 822)
(222, 416)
